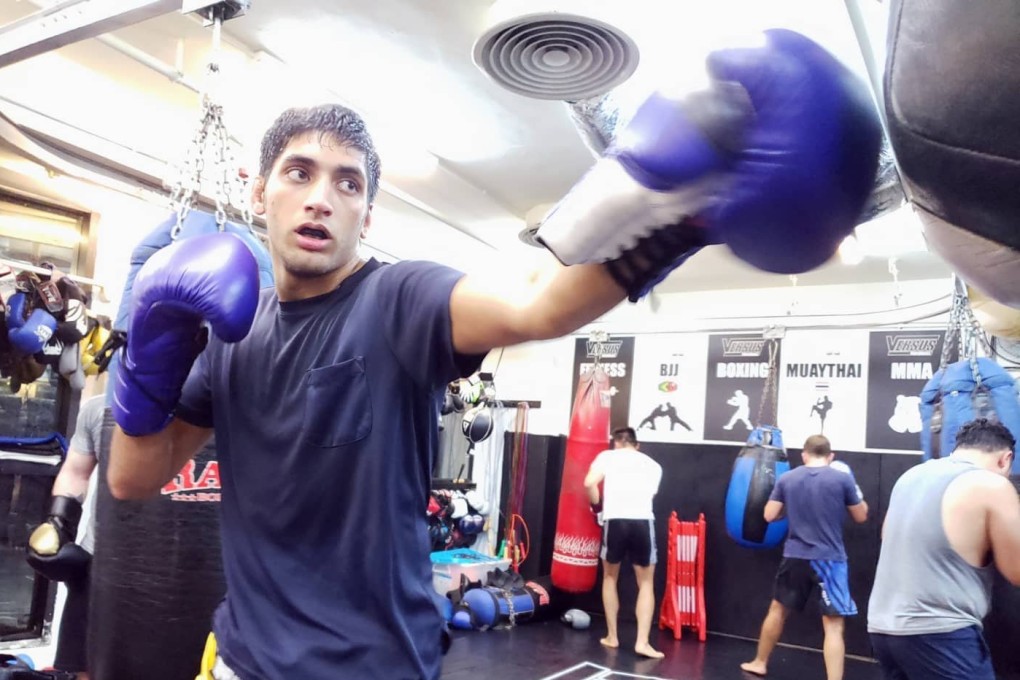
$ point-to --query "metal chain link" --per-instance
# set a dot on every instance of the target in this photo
(895, 271)
(211, 143)
(511, 613)
(979, 334)
(951, 332)
(770, 390)
(965, 333)
(189, 177)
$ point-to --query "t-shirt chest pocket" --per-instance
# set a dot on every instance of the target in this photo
(338, 408)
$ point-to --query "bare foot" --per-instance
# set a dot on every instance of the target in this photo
(754, 667)
(646, 650)
(610, 641)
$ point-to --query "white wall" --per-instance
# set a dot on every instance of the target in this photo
(542, 371)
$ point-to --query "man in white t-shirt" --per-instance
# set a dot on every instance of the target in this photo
(630, 480)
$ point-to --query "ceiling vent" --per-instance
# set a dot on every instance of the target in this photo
(557, 55)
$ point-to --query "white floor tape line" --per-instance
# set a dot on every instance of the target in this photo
(596, 672)
(572, 671)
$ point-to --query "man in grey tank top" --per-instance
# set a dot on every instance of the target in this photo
(53, 551)
(950, 522)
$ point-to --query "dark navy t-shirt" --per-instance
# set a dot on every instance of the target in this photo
(326, 427)
(815, 500)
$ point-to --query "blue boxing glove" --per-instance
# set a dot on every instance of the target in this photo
(30, 332)
(781, 187)
(840, 466)
(211, 278)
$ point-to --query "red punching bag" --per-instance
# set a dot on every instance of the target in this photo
(578, 536)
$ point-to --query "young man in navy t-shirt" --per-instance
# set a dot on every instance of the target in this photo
(815, 497)
(325, 409)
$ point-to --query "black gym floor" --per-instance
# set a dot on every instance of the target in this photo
(551, 650)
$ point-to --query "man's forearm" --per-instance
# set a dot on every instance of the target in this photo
(70, 483)
(503, 310)
(140, 466)
(569, 297)
(593, 493)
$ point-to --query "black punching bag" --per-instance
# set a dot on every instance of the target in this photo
(952, 97)
(157, 575)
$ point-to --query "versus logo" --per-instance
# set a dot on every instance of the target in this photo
(911, 345)
(668, 386)
(743, 347)
(606, 350)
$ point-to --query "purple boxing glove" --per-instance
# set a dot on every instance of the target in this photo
(808, 162)
(211, 278)
(781, 186)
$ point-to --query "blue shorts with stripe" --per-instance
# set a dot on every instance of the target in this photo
(797, 579)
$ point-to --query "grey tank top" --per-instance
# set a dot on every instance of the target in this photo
(922, 585)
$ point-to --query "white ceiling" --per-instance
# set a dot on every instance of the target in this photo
(406, 65)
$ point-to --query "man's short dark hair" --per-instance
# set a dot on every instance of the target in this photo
(988, 436)
(329, 120)
(625, 435)
(817, 445)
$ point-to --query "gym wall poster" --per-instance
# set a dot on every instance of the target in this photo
(738, 365)
(823, 387)
(617, 362)
(899, 365)
(667, 400)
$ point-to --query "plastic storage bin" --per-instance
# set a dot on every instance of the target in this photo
(448, 565)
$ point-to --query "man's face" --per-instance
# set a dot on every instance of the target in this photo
(315, 201)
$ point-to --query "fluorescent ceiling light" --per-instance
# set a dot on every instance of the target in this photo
(893, 234)
(850, 251)
(38, 230)
(675, 38)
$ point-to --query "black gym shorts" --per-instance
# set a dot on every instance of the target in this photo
(70, 654)
(797, 579)
(630, 538)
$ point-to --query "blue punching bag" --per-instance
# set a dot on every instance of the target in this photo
(758, 465)
(484, 608)
(964, 391)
